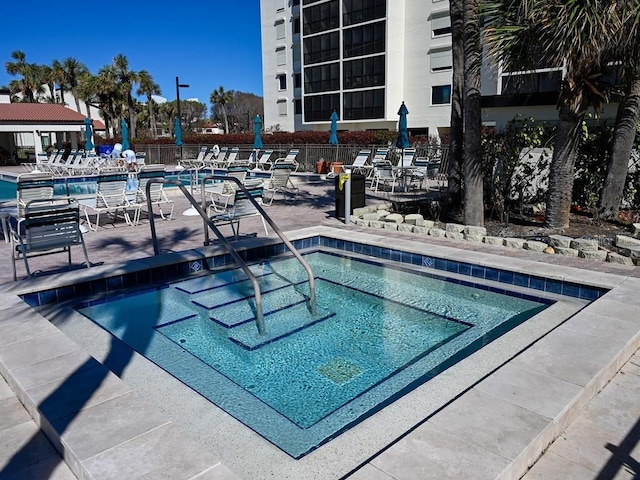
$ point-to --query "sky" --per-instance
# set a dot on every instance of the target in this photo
(206, 43)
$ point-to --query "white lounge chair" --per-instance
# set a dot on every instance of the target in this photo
(360, 164)
(238, 208)
(263, 162)
(110, 197)
(384, 173)
(157, 194)
(280, 181)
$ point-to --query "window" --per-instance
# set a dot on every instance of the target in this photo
(282, 108)
(298, 106)
(282, 81)
(318, 108)
(297, 80)
(281, 56)
(441, 95)
(322, 78)
(364, 72)
(321, 18)
(542, 82)
(295, 3)
(364, 40)
(296, 25)
(363, 105)
(440, 24)
(322, 48)
(280, 34)
(358, 11)
(441, 59)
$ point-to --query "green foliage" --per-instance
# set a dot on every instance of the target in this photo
(592, 161)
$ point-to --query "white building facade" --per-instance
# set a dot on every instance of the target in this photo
(361, 58)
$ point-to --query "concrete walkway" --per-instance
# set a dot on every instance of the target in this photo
(603, 443)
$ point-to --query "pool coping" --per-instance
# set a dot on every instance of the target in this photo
(29, 330)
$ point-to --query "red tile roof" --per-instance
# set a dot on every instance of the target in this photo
(42, 113)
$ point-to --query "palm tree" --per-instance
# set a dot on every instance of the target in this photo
(73, 70)
(148, 87)
(577, 34)
(473, 191)
(48, 77)
(626, 118)
(456, 140)
(30, 84)
(105, 88)
(59, 76)
(86, 91)
(221, 98)
(127, 78)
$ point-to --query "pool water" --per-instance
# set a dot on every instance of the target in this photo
(376, 334)
(7, 190)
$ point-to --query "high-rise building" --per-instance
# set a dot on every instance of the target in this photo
(361, 58)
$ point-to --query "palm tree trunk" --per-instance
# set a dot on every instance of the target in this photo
(152, 117)
(456, 139)
(473, 191)
(132, 116)
(75, 96)
(623, 137)
(561, 171)
(226, 121)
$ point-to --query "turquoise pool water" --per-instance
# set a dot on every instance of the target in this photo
(7, 190)
(378, 332)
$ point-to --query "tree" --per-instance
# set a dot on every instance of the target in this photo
(47, 76)
(242, 111)
(30, 84)
(579, 34)
(59, 76)
(473, 191)
(72, 71)
(454, 188)
(627, 116)
(105, 88)
(148, 88)
(220, 98)
(126, 78)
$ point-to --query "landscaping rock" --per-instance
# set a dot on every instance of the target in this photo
(633, 253)
(394, 218)
(473, 237)
(549, 250)
(617, 258)
(455, 235)
(584, 244)
(437, 232)
(567, 252)
(471, 230)
(361, 223)
(423, 230)
(376, 224)
(625, 241)
(514, 242)
(383, 213)
(560, 241)
(635, 229)
(373, 216)
(413, 218)
(454, 227)
(425, 223)
(593, 254)
(390, 226)
(405, 227)
(535, 246)
(360, 211)
(493, 240)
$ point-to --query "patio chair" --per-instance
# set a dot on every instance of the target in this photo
(157, 194)
(32, 186)
(280, 181)
(385, 173)
(194, 163)
(48, 227)
(110, 197)
(291, 158)
(219, 160)
(359, 164)
(231, 158)
(263, 162)
(239, 207)
(222, 192)
(40, 165)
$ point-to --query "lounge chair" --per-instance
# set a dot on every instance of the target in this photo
(239, 207)
(280, 181)
(263, 162)
(157, 194)
(221, 193)
(48, 227)
(291, 158)
(360, 164)
(32, 186)
(231, 158)
(110, 197)
(406, 158)
(219, 160)
(194, 163)
(384, 173)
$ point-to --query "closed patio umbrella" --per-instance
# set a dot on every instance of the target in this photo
(403, 135)
(333, 136)
(257, 139)
(177, 132)
(125, 135)
(88, 133)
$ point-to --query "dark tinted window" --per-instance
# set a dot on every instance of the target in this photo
(364, 40)
(322, 17)
(318, 108)
(322, 48)
(364, 105)
(364, 72)
(322, 78)
(358, 11)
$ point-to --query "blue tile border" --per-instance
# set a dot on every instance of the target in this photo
(141, 280)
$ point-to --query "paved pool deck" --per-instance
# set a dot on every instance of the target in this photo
(567, 402)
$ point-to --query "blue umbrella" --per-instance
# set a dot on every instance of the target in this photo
(178, 132)
(125, 135)
(257, 139)
(333, 136)
(88, 144)
(403, 134)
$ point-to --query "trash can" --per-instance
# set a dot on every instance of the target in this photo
(358, 193)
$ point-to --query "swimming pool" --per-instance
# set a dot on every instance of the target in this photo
(379, 331)
(7, 190)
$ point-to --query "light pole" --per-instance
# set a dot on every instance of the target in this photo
(178, 87)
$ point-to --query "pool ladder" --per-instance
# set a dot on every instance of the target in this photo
(200, 208)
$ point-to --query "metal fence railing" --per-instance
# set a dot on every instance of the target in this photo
(308, 156)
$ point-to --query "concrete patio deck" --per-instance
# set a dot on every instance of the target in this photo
(579, 383)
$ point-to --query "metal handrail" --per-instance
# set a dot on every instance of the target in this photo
(223, 240)
(276, 229)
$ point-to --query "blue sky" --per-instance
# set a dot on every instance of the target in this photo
(207, 44)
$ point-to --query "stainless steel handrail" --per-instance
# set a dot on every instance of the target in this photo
(276, 229)
(223, 240)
